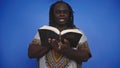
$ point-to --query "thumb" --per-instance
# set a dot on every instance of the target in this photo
(66, 41)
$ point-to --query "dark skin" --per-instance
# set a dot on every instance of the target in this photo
(61, 13)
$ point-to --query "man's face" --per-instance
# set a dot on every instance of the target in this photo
(61, 13)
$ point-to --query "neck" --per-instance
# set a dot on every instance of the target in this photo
(61, 27)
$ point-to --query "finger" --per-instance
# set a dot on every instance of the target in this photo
(53, 40)
(66, 41)
(35, 41)
(49, 40)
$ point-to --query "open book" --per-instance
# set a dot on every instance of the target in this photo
(72, 35)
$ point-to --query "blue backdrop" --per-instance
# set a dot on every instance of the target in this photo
(20, 19)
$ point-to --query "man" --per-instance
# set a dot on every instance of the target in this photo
(60, 55)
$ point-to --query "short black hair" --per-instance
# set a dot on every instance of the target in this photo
(51, 14)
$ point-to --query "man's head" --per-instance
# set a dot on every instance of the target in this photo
(61, 13)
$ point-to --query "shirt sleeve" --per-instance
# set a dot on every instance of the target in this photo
(83, 39)
(37, 37)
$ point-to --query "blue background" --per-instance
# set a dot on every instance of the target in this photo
(20, 19)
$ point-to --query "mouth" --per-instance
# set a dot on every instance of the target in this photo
(61, 20)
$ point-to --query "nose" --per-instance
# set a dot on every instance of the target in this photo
(62, 14)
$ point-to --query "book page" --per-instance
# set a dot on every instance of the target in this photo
(51, 28)
(58, 32)
(70, 30)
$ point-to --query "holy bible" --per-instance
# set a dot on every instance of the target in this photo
(72, 35)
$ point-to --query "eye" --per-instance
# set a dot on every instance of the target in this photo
(61, 11)
(57, 12)
(65, 11)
